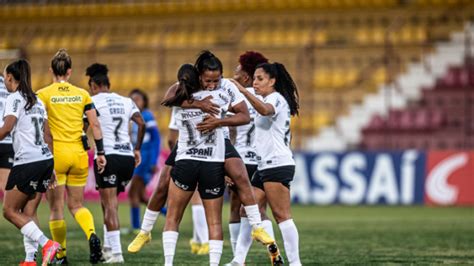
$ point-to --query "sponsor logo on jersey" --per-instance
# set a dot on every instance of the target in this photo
(63, 88)
(122, 147)
(15, 105)
(213, 191)
(250, 155)
(449, 178)
(200, 152)
(66, 99)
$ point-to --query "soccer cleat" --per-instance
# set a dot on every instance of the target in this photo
(49, 252)
(118, 258)
(195, 246)
(204, 249)
(28, 263)
(140, 240)
(106, 253)
(259, 234)
(62, 260)
(95, 250)
(275, 255)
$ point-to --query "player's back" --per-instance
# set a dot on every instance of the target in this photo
(115, 113)
(65, 104)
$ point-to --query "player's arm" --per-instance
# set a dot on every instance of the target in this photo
(9, 122)
(138, 119)
(97, 133)
(206, 105)
(152, 129)
(261, 107)
(172, 138)
(48, 137)
(241, 117)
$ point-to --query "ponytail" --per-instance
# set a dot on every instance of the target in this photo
(284, 84)
(61, 63)
(21, 72)
(188, 83)
(208, 61)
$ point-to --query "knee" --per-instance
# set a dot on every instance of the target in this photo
(74, 206)
(281, 216)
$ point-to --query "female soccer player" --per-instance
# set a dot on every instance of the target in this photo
(199, 163)
(25, 118)
(66, 105)
(116, 112)
(6, 148)
(150, 151)
(245, 145)
(276, 166)
(210, 76)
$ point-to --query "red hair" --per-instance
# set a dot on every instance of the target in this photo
(250, 60)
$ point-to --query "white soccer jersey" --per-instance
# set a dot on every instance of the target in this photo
(272, 135)
(27, 134)
(194, 145)
(245, 137)
(115, 113)
(3, 99)
(172, 125)
(235, 95)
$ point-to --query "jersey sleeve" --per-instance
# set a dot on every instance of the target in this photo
(134, 109)
(236, 96)
(88, 103)
(12, 106)
(275, 101)
(173, 125)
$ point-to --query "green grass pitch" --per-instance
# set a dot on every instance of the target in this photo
(328, 235)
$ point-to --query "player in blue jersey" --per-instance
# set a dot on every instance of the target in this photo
(149, 152)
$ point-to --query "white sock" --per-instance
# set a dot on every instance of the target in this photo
(244, 241)
(114, 240)
(253, 214)
(200, 224)
(106, 239)
(170, 238)
(30, 248)
(290, 240)
(234, 229)
(267, 225)
(32, 231)
(215, 252)
(149, 220)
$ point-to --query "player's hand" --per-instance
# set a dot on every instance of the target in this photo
(138, 157)
(239, 86)
(53, 182)
(207, 106)
(229, 182)
(209, 123)
(101, 162)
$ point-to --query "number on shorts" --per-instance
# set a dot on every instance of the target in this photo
(117, 127)
(38, 124)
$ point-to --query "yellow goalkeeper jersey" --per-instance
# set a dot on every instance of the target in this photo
(65, 105)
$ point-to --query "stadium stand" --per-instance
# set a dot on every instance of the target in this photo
(340, 52)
